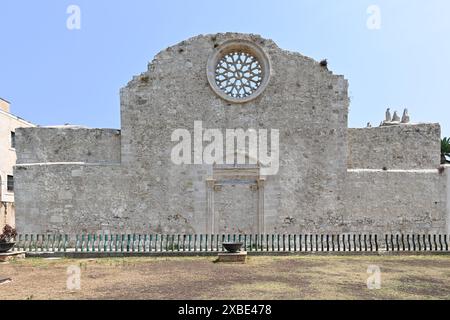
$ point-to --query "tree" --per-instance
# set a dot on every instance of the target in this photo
(445, 150)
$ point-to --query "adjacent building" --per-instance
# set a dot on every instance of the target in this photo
(8, 125)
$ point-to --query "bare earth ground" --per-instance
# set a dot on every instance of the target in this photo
(308, 277)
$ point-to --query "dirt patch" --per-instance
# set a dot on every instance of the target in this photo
(424, 286)
(200, 278)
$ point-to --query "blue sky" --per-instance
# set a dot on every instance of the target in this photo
(53, 75)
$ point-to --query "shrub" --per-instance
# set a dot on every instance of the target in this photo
(9, 234)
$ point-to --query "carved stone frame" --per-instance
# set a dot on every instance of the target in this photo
(214, 184)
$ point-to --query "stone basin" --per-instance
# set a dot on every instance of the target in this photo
(233, 247)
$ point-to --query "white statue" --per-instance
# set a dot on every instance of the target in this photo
(395, 118)
(388, 115)
(406, 118)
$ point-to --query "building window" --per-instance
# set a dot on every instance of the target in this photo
(13, 140)
(239, 74)
(10, 184)
(238, 71)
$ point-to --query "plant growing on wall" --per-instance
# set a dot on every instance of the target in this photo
(445, 150)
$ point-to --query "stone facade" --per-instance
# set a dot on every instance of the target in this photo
(397, 201)
(78, 180)
(395, 147)
(70, 144)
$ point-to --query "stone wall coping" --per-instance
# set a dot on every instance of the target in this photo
(106, 164)
(396, 170)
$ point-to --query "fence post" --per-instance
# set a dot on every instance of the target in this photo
(60, 242)
(37, 243)
(295, 242)
(66, 238)
(94, 238)
(83, 238)
(47, 244)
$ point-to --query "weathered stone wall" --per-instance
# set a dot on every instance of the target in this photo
(50, 145)
(71, 198)
(395, 147)
(305, 101)
(396, 201)
(129, 183)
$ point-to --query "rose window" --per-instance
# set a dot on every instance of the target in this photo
(238, 74)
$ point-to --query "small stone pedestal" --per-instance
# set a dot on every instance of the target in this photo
(240, 257)
(13, 255)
